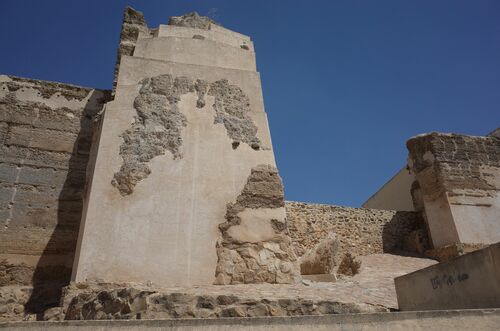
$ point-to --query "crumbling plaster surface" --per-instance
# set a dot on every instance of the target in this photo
(459, 179)
(158, 124)
(183, 199)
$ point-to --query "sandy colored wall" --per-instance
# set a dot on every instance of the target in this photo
(360, 231)
(395, 194)
(459, 179)
(185, 189)
(45, 136)
(133, 25)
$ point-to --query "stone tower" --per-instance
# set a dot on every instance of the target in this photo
(184, 188)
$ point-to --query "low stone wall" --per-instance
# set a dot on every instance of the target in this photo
(486, 319)
(359, 231)
(45, 136)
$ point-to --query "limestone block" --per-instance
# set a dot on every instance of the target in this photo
(39, 158)
(349, 265)
(321, 258)
(50, 140)
(4, 129)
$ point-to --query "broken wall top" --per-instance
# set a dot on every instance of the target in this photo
(460, 160)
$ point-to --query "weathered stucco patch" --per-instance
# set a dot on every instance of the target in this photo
(232, 107)
(249, 256)
(157, 128)
(158, 125)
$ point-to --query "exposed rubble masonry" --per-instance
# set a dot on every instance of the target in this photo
(158, 125)
(255, 245)
(192, 20)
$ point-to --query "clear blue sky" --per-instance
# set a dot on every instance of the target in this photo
(346, 83)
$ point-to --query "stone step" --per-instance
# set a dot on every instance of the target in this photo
(429, 321)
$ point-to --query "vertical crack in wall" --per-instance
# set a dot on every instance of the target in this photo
(255, 245)
(158, 124)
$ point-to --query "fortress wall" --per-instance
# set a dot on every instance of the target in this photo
(359, 231)
(45, 137)
(185, 189)
(458, 181)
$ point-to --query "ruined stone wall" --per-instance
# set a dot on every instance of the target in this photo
(183, 157)
(457, 184)
(133, 24)
(359, 231)
(45, 136)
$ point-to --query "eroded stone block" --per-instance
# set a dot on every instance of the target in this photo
(458, 181)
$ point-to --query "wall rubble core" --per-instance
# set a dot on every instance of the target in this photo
(255, 245)
(157, 127)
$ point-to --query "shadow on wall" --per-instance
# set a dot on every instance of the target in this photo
(405, 234)
(53, 270)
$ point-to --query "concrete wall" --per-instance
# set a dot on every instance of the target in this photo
(438, 320)
(468, 281)
(458, 178)
(45, 136)
(395, 194)
(359, 231)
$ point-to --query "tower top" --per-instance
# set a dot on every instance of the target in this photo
(192, 20)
